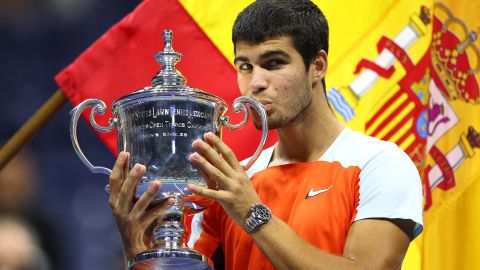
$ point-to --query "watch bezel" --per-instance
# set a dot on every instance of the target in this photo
(259, 215)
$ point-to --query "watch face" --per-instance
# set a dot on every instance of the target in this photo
(262, 212)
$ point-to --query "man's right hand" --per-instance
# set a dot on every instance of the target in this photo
(133, 218)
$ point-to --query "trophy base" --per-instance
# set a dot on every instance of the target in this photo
(164, 259)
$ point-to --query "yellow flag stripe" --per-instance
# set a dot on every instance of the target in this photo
(394, 123)
(408, 142)
(402, 131)
(387, 113)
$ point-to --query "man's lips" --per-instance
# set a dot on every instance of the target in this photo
(267, 105)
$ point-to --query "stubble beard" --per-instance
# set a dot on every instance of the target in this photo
(294, 112)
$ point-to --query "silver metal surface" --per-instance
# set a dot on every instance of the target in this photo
(239, 105)
(158, 132)
(170, 233)
(157, 259)
(98, 107)
(168, 58)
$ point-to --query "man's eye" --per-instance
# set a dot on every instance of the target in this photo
(245, 67)
(273, 64)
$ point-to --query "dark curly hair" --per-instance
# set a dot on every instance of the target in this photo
(300, 20)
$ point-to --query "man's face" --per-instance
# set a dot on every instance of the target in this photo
(273, 73)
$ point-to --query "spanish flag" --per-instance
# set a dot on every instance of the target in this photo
(406, 71)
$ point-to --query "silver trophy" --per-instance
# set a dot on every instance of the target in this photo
(157, 126)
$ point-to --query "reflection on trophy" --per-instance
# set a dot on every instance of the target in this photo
(157, 125)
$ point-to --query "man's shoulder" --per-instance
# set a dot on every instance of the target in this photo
(353, 148)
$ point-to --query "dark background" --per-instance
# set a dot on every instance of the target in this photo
(69, 208)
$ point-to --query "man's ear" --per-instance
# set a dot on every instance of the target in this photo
(320, 65)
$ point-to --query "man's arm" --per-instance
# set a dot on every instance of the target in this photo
(370, 244)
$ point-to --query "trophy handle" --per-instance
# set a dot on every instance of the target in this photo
(239, 104)
(98, 107)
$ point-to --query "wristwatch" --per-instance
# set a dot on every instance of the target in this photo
(259, 214)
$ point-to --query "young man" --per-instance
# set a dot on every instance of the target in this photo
(324, 197)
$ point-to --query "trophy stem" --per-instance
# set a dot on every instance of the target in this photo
(170, 250)
(171, 231)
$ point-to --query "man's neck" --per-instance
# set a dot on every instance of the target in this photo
(308, 138)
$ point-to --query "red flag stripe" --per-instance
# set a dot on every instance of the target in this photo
(403, 138)
(392, 115)
(398, 126)
(382, 109)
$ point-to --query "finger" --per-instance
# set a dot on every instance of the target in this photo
(212, 156)
(128, 188)
(205, 192)
(157, 212)
(211, 184)
(227, 153)
(125, 167)
(115, 180)
(146, 198)
(208, 171)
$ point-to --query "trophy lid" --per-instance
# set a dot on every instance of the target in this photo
(168, 58)
(168, 81)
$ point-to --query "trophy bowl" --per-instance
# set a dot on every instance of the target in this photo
(157, 126)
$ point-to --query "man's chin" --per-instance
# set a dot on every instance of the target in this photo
(258, 124)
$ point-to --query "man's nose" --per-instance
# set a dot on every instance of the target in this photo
(259, 81)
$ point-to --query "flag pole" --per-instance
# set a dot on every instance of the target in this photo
(31, 127)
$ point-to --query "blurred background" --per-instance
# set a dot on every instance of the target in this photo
(47, 197)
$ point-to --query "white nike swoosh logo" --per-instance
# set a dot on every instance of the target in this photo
(312, 193)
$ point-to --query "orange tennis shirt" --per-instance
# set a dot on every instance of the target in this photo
(358, 177)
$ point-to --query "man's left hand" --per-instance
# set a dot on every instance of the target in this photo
(228, 183)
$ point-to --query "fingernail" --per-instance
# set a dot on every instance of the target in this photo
(121, 156)
(171, 201)
(156, 186)
(199, 142)
(194, 156)
(137, 168)
(192, 187)
(210, 135)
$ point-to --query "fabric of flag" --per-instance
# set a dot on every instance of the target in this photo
(406, 71)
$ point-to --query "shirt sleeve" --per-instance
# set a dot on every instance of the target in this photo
(390, 187)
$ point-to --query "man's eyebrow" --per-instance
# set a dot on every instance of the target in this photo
(268, 54)
(240, 58)
(264, 55)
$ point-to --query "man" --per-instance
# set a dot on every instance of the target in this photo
(324, 197)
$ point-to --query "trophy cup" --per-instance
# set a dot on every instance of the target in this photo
(157, 125)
